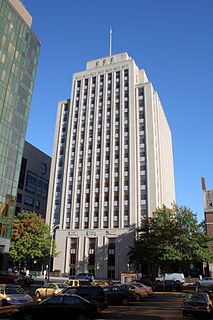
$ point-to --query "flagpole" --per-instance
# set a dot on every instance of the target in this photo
(110, 41)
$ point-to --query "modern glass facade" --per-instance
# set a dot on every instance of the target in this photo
(19, 51)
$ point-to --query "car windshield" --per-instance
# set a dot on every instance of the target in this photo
(138, 285)
(196, 297)
(14, 290)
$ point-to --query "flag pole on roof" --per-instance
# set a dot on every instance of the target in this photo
(110, 41)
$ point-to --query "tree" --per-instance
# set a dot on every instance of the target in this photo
(30, 240)
(172, 239)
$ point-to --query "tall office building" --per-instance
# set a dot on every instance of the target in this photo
(112, 164)
(19, 50)
(33, 181)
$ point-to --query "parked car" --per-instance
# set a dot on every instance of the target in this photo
(56, 307)
(101, 283)
(179, 277)
(168, 285)
(139, 291)
(205, 281)
(117, 295)
(86, 276)
(9, 277)
(141, 286)
(197, 304)
(13, 294)
(146, 282)
(94, 294)
(49, 289)
(207, 288)
(114, 282)
(189, 288)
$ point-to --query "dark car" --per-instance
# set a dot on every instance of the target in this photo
(118, 295)
(9, 277)
(56, 307)
(86, 276)
(11, 294)
(207, 289)
(197, 304)
(168, 285)
(94, 294)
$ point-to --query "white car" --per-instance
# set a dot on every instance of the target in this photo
(205, 281)
(171, 276)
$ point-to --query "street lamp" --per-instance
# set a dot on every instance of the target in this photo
(51, 247)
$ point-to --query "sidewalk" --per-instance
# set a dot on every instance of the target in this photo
(52, 278)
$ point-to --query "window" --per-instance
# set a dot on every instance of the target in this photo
(37, 204)
(39, 186)
(19, 197)
(43, 168)
(29, 201)
(55, 300)
(31, 182)
(22, 173)
(72, 300)
(44, 188)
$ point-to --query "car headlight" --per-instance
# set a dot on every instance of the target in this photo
(9, 299)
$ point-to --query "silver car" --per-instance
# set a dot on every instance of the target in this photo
(205, 281)
(13, 294)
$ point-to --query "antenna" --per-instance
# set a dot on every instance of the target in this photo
(110, 41)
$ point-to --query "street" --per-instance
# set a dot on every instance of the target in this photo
(158, 307)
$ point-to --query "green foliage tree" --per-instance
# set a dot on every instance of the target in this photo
(172, 239)
(30, 240)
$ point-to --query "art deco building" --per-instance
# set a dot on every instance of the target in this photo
(19, 50)
(112, 164)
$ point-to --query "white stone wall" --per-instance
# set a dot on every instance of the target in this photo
(159, 165)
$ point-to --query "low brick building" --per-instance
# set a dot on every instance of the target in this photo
(208, 215)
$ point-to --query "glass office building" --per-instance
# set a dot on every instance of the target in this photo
(19, 51)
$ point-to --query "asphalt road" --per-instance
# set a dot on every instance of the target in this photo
(158, 307)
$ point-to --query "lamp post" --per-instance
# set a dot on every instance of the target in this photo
(51, 247)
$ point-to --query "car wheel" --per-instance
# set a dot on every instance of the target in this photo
(125, 302)
(4, 303)
(138, 297)
(184, 314)
(28, 316)
(37, 295)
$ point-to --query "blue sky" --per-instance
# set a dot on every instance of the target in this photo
(170, 39)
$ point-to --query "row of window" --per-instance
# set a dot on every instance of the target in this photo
(36, 185)
(29, 201)
(142, 152)
(76, 119)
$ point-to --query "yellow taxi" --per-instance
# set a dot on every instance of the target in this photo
(139, 292)
(49, 289)
(101, 283)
